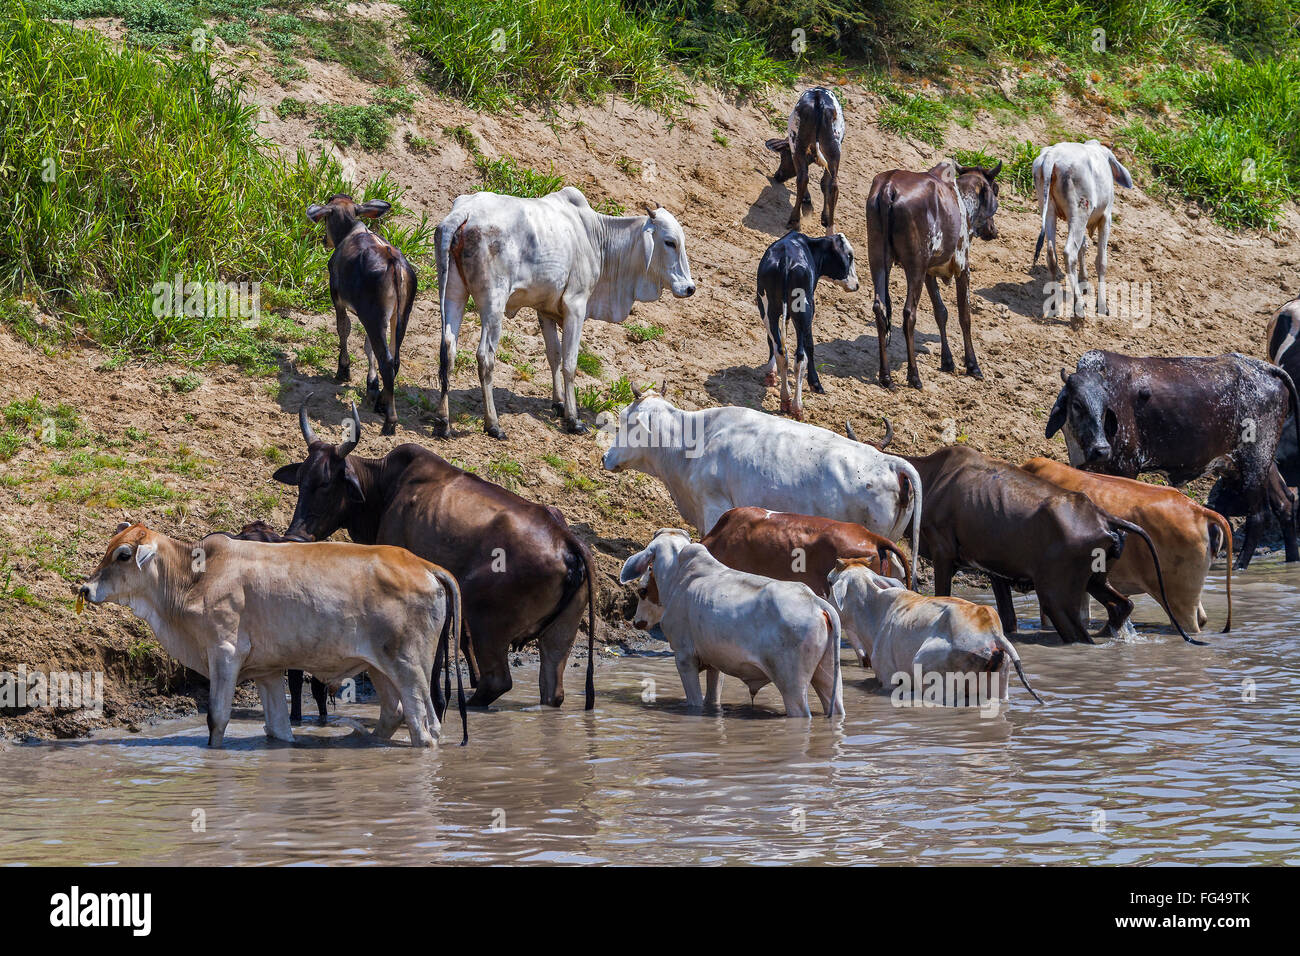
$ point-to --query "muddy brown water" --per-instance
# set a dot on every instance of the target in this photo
(1146, 752)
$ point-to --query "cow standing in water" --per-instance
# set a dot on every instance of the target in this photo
(814, 135)
(560, 257)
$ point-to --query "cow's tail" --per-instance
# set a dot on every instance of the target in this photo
(1006, 645)
(906, 470)
(833, 626)
(452, 625)
(1130, 527)
(883, 553)
(1219, 523)
(444, 236)
(1047, 207)
(1294, 398)
(591, 629)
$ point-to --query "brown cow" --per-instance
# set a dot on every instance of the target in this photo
(520, 568)
(1024, 532)
(1186, 535)
(372, 278)
(925, 222)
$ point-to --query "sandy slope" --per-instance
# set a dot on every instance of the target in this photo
(1212, 291)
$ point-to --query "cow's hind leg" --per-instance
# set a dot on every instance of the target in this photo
(688, 669)
(1064, 615)
(453, 299)
(1118, 607)
(1103, 239)
(275, 708)
(830, 183)
(1006, 607)
(795, 698)
(914, 284)
(554, 646)
(320, 693)
(492, 314)
(946, 364)
(575, 313)
(494, 675)
(551, 339)
(801, 197)
(712, 687)
(295, 697)
(390, 705)
(823, 682)
(412, 682)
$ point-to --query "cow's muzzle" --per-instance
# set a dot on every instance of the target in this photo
(1098, 452)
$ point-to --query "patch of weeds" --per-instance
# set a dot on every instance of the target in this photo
(643, 333)
(505, 472)
(184, 384)
(589, 362)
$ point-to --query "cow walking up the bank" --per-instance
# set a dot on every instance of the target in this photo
(925, 222)
(559, 257)
(371, 277)
(1075, 183)
(787, 284)
(814, 135)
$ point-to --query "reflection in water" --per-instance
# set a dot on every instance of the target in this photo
(1145, 752)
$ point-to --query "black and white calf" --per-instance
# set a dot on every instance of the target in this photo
(814, 135)
(787, 280)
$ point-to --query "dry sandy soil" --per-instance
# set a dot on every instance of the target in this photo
(211, 451)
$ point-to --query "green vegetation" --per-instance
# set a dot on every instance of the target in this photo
(126, 170)
(643, 333)
(609, 398)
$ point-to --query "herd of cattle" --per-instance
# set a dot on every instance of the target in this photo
(798, 524)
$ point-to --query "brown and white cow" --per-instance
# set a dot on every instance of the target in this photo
(248, 610)
(1186, 536)
(925, 222)
(813, 135)
(907, 634)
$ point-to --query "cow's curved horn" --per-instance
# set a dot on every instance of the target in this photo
(304, 424)
(346, 447)
(1064, 377)
(995, 170)
(650, 212)
(848, 430)
(636, 392)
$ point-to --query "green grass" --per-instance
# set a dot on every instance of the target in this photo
(643, 333)
(915, 115)
(123, 169)
(1236, 151)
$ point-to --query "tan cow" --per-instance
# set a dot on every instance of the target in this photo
(911, 638)
(248, 610)
(1186, 536)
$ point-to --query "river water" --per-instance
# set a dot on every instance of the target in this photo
(1147, 751)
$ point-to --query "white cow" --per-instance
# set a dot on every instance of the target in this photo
(722, 458)
(1074, 182)
(901, 632)
(729, 622)
(555, 255)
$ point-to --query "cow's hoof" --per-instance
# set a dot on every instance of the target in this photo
(557, 409)
(888, 384)
(344, 374)
(948, 365)
(575, 427)
(975, 372)
(817, 387)
(390, 428)
(494, 431)
(914, 381)
(322, 720)
(793, 222)
(441, 428)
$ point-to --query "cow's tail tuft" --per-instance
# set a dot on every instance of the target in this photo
(1221, 524)
(591, 629)
(833, 639)
(1010, 650)
(1047, 208)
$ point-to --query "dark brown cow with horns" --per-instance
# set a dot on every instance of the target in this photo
(521, 571)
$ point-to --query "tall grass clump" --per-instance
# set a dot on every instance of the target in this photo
(1237, 150)
(121, 170)
(493, 52)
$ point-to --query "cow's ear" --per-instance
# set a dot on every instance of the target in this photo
(1057, 418)
(839, 590)
(288, 475)
(373, 209)
(352, 485)
(144, 554)
(635, 566)
(316, 212)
